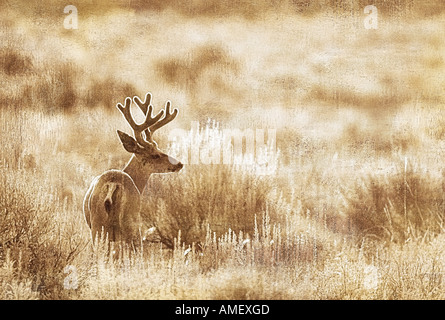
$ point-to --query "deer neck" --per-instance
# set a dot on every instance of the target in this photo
(138, 172)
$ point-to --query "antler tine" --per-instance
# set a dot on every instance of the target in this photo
(139, 128)
(167, 118)
(143, 105)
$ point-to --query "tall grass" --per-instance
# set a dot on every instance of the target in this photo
(202, 197)
(226, 194)
(398, 207)
(37, 236)
(218, 224)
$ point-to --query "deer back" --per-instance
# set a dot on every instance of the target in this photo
(112, 205)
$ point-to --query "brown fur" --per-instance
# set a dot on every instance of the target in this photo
(112, 204)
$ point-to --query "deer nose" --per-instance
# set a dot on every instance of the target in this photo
(180, 165)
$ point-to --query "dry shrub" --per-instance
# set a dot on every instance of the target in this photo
(356, 139)
(396, 207)
(186, 72)
(12, 126)
(435, 127)
(248, 285)
(57, 91)
(105, 93)
(370, 102)
(31, 235)
(208, 72)
(52, 91)
(218, 196)
(271, 246)
(40, 86)
(15, 63)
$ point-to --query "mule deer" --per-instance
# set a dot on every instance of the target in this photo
(112, 203)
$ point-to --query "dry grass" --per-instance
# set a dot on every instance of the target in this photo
(351, 206)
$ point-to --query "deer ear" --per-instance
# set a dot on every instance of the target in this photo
(128, 142)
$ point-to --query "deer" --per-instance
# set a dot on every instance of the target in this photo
(112, 203)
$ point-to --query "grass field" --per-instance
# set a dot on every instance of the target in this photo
(345, 201)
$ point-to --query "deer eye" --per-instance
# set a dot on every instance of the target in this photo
(156, 156)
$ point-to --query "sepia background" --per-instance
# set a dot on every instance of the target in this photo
(348, 204)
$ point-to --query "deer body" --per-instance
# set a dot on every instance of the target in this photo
(112, 203)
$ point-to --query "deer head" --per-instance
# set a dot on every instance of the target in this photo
(147, 155)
